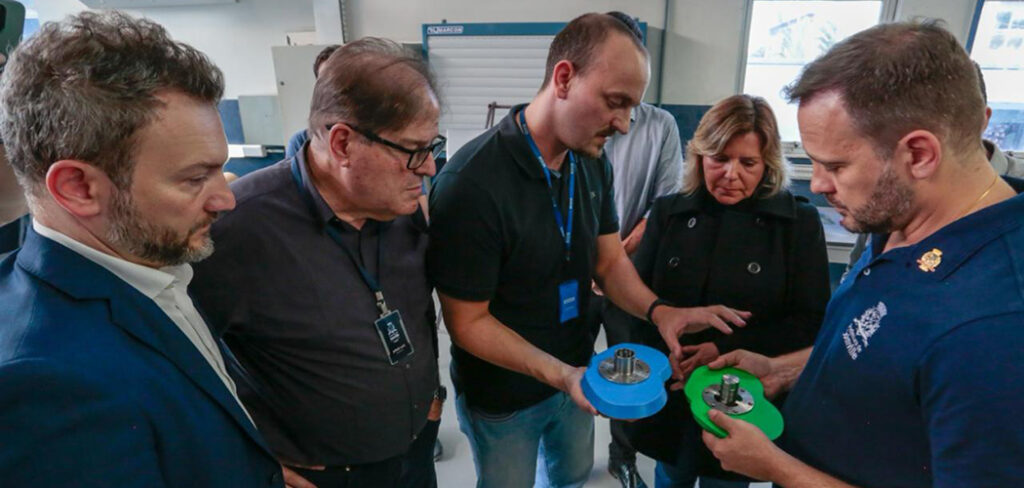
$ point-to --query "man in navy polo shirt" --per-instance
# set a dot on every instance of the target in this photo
(916, 372)
(523, 218)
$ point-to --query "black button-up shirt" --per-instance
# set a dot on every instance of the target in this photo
(300, 319)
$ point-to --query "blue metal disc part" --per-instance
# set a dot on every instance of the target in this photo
(627, 381)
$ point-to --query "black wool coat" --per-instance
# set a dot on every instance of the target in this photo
(763, 255)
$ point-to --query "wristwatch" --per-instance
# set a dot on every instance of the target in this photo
(655, 304)
(441, 393)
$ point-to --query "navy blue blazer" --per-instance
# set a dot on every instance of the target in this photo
(98, 387)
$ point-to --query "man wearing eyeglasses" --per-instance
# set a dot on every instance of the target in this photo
(318, 282)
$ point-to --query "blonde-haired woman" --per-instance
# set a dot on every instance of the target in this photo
(738, 237)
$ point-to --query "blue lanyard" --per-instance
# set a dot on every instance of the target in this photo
(332, 231)
(565, 230)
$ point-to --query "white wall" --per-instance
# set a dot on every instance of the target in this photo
(704, 40)
(703, 51)
(237, 37)
(958, 14)
(401, 20)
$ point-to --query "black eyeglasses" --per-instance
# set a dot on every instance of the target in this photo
(416, 156)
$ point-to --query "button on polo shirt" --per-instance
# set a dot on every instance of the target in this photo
(493, 237)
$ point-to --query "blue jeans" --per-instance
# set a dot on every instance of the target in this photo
(550, 444)
(669, 476)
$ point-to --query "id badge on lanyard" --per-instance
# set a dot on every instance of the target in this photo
(568, 300)
(569, 290)
(393, 335)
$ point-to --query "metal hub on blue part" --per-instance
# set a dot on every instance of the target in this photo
(627, 381)
(623, 367)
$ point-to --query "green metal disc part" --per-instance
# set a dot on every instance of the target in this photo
(763, 414)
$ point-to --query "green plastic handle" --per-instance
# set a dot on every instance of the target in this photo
(764, 415)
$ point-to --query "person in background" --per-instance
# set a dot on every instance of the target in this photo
(299, 138)
(1003, 163)
(737, 236)
(647, 163)
(319, 283)
(922, 340)
(523, 218)
(110, 376)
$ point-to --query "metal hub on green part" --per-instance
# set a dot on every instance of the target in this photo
(735, 392)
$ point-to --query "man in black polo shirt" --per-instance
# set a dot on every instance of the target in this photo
(523, 218)
(319, 281)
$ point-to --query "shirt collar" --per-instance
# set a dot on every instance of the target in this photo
(322, 212)
(149, 281)
(959, 240)
(515, 141)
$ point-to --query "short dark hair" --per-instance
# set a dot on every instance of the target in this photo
(577, 40)
(83, 87)
(630, 22)
(373, 82)
(981, 82)
(897, 77)
(321, 57)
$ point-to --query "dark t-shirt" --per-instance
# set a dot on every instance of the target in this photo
(493, 237)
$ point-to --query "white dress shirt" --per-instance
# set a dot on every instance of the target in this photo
(167, 287)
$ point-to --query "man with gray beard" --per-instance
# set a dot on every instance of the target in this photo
(110, 375)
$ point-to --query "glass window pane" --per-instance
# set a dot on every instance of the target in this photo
(998, 50)
(786, 35)
(31, 18)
